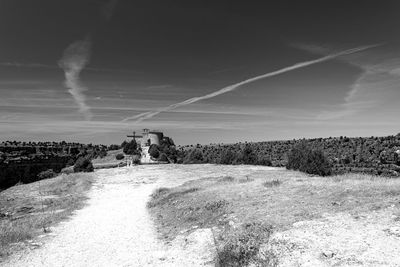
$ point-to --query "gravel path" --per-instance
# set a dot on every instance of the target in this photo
(114, 229)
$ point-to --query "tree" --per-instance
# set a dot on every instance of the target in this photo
(194, 156)
(83, 165)
(154, 151)
(131, 148)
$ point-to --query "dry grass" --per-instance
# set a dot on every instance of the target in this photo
(30, 209)
(108, 161)
(277, 198)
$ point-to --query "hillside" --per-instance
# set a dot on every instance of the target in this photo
(24, 161)
(374, 155)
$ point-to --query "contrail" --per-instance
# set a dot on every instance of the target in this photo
(75, 58)
(150, 114)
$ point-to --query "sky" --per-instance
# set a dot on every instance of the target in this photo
(93, 71)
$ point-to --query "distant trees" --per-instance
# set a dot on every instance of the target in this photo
(228, 157)
(227, 154)
(130, 148)
(194, 156)
(113, 147)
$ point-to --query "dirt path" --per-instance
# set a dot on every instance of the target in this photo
(114, 229)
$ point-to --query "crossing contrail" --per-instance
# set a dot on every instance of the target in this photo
(150, 114)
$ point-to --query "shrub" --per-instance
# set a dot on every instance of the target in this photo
(163, 157)
(130, 148)
(264, 160)
(102, 153)
(113, 147)
(307, 160)
(46, 174)
(154, 151)
(70, 162)
(83, 165)
(228, 157)
(136, 159)
(272, 183)
(194, 156)
(241, 246)
(216, 205)
(247, 156)
(119, 156)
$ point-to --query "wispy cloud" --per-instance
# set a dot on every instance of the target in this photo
(380, 74)
(150, 114)
(74, 60)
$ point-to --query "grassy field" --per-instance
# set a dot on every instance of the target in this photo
(270, 200)
(29, 210)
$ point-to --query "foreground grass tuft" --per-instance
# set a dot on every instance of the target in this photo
(241, 247)
(272, 183)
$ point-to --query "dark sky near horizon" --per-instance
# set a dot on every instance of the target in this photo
(146, 55)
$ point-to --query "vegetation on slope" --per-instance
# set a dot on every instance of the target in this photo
(279, 198)
(373, 155)
(311, 161)
(24, 161)
(28, 210)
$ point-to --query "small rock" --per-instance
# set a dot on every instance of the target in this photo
(393, 231)
(328, 254)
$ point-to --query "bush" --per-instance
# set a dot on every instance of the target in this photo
(272, 183)
(163, 157)
(228, 157)
(130, 148)
(264, 160)
(241, 247)
(102, 153)
(307, 160)
(113, 147)
(119, 156)
(83, 165)
(70, 162)
(194, 156)
(247, 156)
(46, 174)
(136, 159)
(154, 151)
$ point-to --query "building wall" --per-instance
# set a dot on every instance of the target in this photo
(155, 137)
